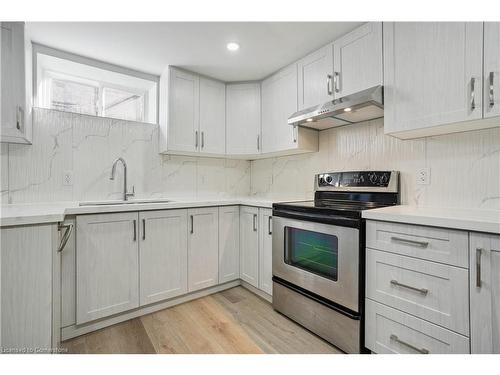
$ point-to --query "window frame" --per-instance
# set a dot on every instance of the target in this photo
(52, 52)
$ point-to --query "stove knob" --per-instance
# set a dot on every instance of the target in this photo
(328, 179)
(384, 178)
(321, 180)
(373, 178)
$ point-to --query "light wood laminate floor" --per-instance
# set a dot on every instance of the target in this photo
(232, 321)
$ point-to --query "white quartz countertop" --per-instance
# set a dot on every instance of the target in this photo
(39, 213)
(475, 220)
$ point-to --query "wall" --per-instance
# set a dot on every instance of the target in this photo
(87, 145)
(465, 167)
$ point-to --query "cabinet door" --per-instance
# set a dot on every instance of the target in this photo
(432, 74)
(265, 250)
(491, 69)
(203, 248)
(315, 78)
(357, 60)
(107, 268)
(184, 107)
(229, 243)
(162, 255)
(485, 293)
(13, 90)
(249, 245)
(279, 101)
(212, 117)
(243, 119)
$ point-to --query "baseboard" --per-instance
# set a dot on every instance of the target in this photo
(256, 291)
(75, 330)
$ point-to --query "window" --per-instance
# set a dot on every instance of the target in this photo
(71, 83)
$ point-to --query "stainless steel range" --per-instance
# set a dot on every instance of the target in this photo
(319, 255)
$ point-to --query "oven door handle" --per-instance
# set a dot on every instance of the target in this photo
(319, 218)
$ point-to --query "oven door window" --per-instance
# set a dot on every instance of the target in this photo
(312, 251)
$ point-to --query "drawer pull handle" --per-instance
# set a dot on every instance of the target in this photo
(420, 290)
(421, 244)
(66, 235)
(396, 338)
(478, 267)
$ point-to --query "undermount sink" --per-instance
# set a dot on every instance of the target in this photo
(122, 202)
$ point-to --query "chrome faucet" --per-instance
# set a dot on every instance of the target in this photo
(112, 177)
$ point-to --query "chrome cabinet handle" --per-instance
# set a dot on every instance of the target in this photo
(398, 340)
(420, 290)
(258, 142)
(19, 117)
(192, 224)
(269, 230)
(479, 252)
(294, 133)
(196, 139)
(66, 235)
(202, 139)
(492, 96)
(135, 230)
(422, 244)
(336, 83)
(329, 84)
(472, 94)
(254, 222)
(143, 229)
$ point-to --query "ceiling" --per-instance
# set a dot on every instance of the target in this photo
(198, 46)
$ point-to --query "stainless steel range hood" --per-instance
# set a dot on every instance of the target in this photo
(361, 106)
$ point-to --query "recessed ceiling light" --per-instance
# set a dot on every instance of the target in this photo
(348, 109)
(233, 46)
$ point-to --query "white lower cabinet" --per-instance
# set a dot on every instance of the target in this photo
(265, 250)
(107, 277)
(485, 293)
(203, 248)
(229, 243)
(249, 245)
(162, 255)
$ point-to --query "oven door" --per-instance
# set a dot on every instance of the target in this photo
(320, 258)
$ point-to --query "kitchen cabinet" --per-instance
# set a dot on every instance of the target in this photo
(107, 268)
(203, 248)
(29, 288)
(491, 72)
(265, 250)
(229, 243)
(279, 101)
(15, 107)
(243, 111)
(162, 255)
(485, 293)
(433, 77)
(357, 60)
(212, 117)
(249, 245)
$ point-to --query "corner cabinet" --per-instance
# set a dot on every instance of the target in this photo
(485, 293)
(243, 119)
(433, 77)
(192, 114)
(229, 243)
(249, 245)
(15, 84)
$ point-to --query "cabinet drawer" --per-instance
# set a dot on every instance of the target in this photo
(391, 331)
(437, 244)
(431, 291)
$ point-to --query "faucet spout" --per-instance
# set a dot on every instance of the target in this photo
(112, 177)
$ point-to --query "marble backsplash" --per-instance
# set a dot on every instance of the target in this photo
(465, 167)
(87, 146)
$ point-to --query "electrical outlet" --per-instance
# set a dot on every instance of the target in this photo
(424, 176)
(68, 178)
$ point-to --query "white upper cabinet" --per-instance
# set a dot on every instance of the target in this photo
(491, 73)
(357, 60)
(15, 109)
(179, 111)
(212, 117)
(243, 119)
(432, 76)
(315, 78)
(203, 248)
(162, 255)
(485, 293)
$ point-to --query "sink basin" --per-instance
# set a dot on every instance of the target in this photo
(121, 202)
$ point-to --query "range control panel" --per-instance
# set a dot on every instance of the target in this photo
(356, 180)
